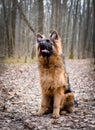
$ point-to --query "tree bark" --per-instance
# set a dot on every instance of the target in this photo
(13, 21)
(94, 33)
(40, 16)
(6, 27)
(74, 30)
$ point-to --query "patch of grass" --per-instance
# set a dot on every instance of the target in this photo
(71, 56)
(17, 60)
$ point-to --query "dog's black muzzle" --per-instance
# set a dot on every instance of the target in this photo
(45, 47)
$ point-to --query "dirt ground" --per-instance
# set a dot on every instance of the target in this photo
(20, 97)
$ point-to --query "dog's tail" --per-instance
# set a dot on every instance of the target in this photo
(75, 103)
(69, 90)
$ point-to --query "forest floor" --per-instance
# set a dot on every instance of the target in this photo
(20, 97)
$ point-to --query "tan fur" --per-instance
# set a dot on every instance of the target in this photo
(53, 80)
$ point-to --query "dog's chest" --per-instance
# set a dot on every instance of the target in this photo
(51, 79)
(47, 77)
(48, 82)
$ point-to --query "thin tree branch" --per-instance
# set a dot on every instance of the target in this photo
(25, 19)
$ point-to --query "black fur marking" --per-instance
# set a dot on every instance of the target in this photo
(75, 103)
(69, 87)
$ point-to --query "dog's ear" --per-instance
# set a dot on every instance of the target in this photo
(54, 35)
(39, 37)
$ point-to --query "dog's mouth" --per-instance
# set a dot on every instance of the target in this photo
(44, 51)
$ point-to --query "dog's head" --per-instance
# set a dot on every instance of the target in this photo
(48, 47)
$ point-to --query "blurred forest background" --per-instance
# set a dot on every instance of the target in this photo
(20, 20)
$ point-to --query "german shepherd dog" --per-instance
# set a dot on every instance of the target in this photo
(57, 96)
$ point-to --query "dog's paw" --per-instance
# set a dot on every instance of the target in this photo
(39, 113)
(55, 115)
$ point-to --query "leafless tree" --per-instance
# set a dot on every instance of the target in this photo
(20, 20)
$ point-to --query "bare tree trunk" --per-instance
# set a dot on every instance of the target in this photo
(10, 23)
(40, 16)
(74, 30)
(6, 26)
(86, 27)
(13, 21)
(68, 33)
(79, 34)
(94, 34)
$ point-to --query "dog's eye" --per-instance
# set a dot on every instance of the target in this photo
(52, 43)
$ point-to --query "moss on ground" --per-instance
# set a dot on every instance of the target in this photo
(17, 60)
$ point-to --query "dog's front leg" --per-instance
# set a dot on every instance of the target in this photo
(57, 102)
(44, 107)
